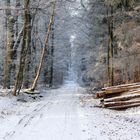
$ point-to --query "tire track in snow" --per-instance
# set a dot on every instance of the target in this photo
(27, 119)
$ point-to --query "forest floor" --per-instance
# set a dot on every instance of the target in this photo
(67, 113)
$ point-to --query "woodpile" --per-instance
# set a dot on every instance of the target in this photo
(119, 97)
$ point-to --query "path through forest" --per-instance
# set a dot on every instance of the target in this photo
(67, 113)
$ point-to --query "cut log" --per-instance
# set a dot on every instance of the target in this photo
(117, 91)
(123, 85)
(124, 106)
(120, 103)
(132, 91)
(122, 98)
(121, 89)
(103, 94)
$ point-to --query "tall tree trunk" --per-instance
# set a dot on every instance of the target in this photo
(110, 51)
(34, 50)
(27, 75)
(24, 49)
(28, 57)
(9, 46)
(52, 55)
(44, 48)
(16, 18)
(17, 41)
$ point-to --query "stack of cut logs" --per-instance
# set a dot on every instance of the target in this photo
(120, 97)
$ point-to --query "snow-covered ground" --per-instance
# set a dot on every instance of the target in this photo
(67, 113)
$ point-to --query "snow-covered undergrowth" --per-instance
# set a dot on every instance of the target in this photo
(67, 113)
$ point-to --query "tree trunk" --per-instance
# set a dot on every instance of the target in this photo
(9, 46)
(28, 57)
(16, 18)
(110, 50)
(50, 73)
(25, 48)
(44, 48)
(27, 75)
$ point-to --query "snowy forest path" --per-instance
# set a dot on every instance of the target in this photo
(67, 113)
(59, 116)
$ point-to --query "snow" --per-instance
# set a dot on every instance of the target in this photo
(67, 113)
